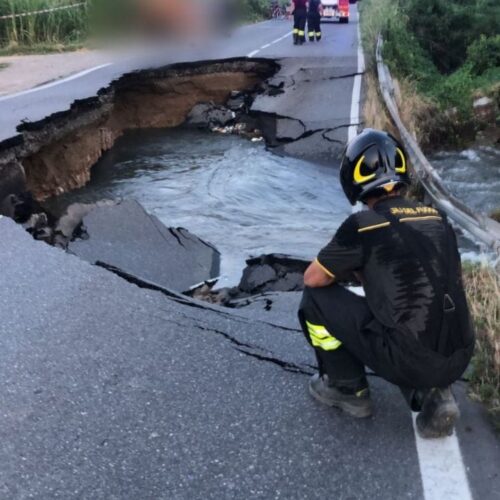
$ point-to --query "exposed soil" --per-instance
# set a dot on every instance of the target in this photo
(58, 152)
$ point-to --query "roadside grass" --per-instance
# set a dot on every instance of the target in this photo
(42, 32)
(40, 48)
(415, 110)
(482, 285)
(374, 113)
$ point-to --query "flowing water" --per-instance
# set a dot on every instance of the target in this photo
(472, 175)
(247, 201)
(227, 190)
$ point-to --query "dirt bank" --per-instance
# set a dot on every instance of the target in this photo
(58, 152)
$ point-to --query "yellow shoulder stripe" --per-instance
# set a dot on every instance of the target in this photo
(325, 269)
(375, 226)
(427, 217)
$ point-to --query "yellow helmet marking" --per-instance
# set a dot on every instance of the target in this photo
(402, 168)
(359, 178)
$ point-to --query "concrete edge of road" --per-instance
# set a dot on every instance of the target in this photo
(483, 228)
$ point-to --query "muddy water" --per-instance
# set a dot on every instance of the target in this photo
(472, 175)
(227, 190)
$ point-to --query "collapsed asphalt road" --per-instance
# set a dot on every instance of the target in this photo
(119, 390)
(115, 391)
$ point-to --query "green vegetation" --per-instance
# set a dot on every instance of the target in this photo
(45, 31)
(257, 10)
(69, 29)
(449, 49)
(254, 10)
(483, 289)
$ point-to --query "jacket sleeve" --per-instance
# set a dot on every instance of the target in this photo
(344, 253)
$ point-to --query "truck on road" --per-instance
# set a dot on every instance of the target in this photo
(335, 10)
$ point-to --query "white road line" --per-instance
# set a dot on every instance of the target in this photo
(356, 91)
(442, 468)
(267, 45)
(56, 82)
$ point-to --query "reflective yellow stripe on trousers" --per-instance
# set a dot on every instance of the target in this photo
(320, 337)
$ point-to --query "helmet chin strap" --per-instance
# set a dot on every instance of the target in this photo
(370, 201)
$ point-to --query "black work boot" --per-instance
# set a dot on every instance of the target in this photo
(357, 404)
(439, 414)
(295, 39)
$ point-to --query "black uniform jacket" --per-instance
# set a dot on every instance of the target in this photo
(407, 255)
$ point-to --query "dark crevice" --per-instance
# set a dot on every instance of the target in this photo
(228, 337)
(183, 299)
(172, 231)
(331, 78)
(287, 366)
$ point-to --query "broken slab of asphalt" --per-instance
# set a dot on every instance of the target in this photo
(125, 236)
(304, 110)
(115, 391)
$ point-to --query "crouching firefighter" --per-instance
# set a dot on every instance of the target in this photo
(412, 327)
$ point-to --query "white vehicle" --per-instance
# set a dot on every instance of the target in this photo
(336, 10)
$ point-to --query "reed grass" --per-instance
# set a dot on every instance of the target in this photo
(483, 290)
(52, 29)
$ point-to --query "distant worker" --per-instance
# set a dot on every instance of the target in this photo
(314, 20)
(413, 328)
(299, 21)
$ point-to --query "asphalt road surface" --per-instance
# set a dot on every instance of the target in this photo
(111, 391)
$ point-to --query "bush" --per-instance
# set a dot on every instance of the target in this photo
(255, 9)
(484, 54)
(405, 55)
(445, 29)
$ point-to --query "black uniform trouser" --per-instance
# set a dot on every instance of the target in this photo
(299, 24)
(314, 25)
(346, 336)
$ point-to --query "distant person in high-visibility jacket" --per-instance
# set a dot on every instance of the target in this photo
(314, 20)
(299, 21)
(413, 326)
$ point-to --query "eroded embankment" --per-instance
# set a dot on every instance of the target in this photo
(57, 153)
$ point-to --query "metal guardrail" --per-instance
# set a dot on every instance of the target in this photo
(481, 227)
